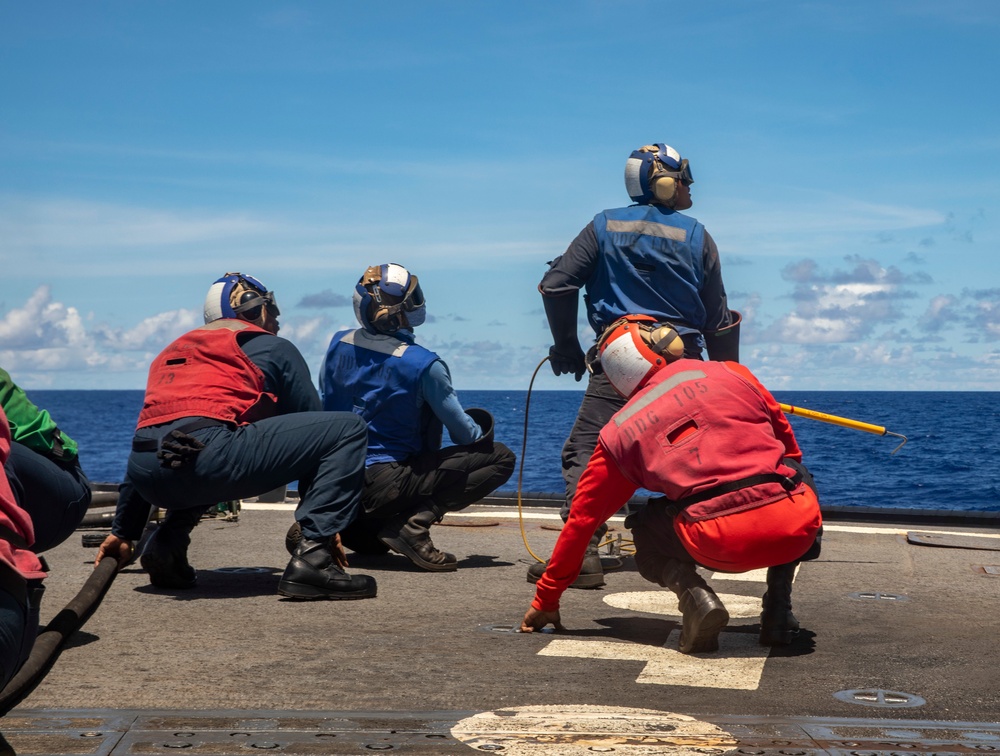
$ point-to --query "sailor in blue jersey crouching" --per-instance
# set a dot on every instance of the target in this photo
(230, 412)
(404, 393)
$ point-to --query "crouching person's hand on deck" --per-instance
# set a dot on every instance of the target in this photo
(116, 547)
(339, 554)
(536, 620)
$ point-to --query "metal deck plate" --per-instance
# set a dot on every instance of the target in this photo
(953, 541)
(550, 730)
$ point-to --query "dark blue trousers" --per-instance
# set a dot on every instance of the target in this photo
(18, 622)
(323, 451)
(54, 494)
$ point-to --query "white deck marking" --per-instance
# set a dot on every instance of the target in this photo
(737, 665)
(506, 514)
(664, 602)
(900, 530)
(753, 576)
(493, 515)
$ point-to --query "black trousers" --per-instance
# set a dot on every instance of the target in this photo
(448, 479)
(599, 403)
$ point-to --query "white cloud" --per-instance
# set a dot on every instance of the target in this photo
(48, 336)
(42, 323)
(152, 333)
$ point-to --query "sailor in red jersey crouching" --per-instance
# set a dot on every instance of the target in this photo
(736, 497)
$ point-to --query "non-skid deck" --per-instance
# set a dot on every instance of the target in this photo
(897, 653)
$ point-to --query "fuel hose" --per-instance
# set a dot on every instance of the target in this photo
(50, 641)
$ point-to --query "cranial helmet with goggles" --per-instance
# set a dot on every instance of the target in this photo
(634, 348)
(652, 173)
(239, 296)
(387, 298)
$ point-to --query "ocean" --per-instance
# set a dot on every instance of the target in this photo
(948, 463)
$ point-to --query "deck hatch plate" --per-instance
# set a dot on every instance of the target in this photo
(877, 596)
(889, 699)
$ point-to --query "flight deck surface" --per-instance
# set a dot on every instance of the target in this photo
(897, 653)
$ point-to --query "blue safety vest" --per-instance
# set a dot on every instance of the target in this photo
(378, 378)
(650, 263)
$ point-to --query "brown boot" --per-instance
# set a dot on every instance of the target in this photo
(591, 570)
(704, 615)
(409, 535)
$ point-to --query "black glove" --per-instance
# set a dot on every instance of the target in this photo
(484, 419)
(568, 361)
(178, 449)
(566, 356)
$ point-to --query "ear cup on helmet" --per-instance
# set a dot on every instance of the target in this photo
(664, 188)
(385, 321)
(666, 342)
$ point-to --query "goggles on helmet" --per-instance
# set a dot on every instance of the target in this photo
(683, 174)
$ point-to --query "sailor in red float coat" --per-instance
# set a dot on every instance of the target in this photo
(711, 438)
(21, 573)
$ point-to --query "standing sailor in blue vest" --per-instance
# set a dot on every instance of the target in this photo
(404, 392)
(649, 259)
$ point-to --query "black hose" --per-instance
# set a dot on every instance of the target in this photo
(103, 499)
(51, 640)
(97, 519)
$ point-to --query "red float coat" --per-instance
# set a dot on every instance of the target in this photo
(16, 530)
(204, 373)
(696, 425)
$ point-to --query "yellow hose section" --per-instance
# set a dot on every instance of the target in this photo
(834, 419)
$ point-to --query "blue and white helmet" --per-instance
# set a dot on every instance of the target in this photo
(647, 164)
(387, 298)
(238, 296)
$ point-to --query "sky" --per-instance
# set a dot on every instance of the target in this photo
(845, 157)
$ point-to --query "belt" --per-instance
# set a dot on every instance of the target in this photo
(143, 444)
(674, 508)
(789, 484)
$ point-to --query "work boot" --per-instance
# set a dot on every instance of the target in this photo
(778, 625)
(165, 556)
(313, 573)
(591, 571)
(704, 616)
(409, 535)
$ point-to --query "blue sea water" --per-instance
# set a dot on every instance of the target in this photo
(949, 461)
